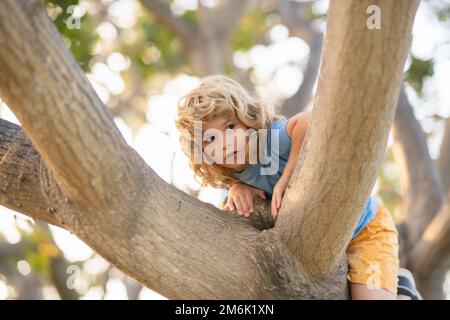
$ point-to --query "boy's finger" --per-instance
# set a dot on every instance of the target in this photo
(278, 201)
(238, 204)
(230, 204)
(246, 207)
(274, 209)
(244, 204)
(249, 197)
(261, 194)
(277, 206)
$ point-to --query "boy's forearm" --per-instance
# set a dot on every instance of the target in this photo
(297, 137)
(292, 161)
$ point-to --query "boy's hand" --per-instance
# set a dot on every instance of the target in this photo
(240, 198)
(278, 192)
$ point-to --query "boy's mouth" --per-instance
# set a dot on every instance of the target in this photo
(232, 156)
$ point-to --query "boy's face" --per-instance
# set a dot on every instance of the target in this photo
(224, 140)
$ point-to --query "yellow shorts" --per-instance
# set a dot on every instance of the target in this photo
(373, 254)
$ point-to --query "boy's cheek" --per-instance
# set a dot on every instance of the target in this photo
(209, 152)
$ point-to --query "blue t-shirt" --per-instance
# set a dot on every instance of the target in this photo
(270, 165)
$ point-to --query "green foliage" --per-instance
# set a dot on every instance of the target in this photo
(251, 30)
(418, 72)
(158, 51)
(190, 16)
(441, 9)
(80, 41)
(40, 250)
(444, 15)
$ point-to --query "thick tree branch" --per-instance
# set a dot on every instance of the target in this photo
(163, 14)
(24, 179)
(424, 193)
(59, 110)
(321, 206)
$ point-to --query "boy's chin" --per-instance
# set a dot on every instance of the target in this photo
(235, 167)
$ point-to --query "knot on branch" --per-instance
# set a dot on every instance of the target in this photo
(261, 218)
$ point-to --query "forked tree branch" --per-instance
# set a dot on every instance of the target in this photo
(360, 84)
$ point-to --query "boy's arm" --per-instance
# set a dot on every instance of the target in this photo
(296, 130)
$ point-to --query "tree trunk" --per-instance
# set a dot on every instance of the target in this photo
(73, 168)
(424, 194)
(444, 158)
(430, 258)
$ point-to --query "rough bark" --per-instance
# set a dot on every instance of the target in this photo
(85, 178)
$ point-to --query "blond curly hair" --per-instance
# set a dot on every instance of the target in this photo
(218, 95)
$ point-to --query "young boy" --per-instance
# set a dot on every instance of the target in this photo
(232, 126)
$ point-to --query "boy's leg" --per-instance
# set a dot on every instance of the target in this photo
(373, 259)
(406, 289)
(363, 292)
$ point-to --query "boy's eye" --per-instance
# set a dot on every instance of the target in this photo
(230, 126)
(210, 139)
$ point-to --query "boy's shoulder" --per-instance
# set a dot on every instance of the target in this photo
(300, 119)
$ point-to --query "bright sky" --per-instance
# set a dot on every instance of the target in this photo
(277, 68)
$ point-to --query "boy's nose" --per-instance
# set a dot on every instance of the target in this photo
(227, 144)
(228, 147)
(231, 142)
